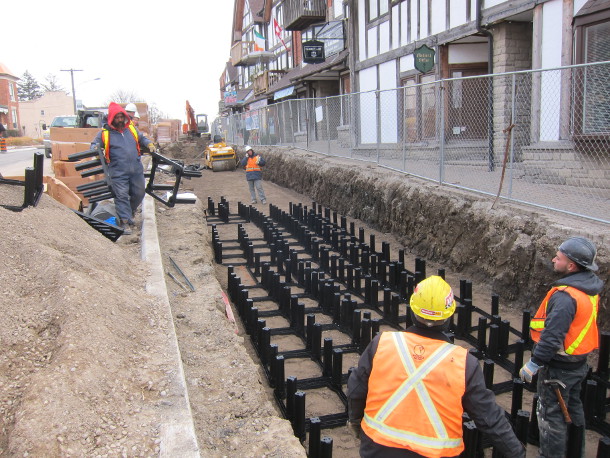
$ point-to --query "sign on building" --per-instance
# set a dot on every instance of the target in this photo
(313, 52)
(424, 58)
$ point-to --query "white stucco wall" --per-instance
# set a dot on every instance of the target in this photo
(396, 27)
(384, 37)
(361, 31)
(438, 16)
(414, 13)
(368, 116)
(372, 42)
(551, 81)
(407, 63)
(457, 14)
(423, 22)
(388, 100)
(404, 16)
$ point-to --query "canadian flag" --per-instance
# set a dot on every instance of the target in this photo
(278, 31)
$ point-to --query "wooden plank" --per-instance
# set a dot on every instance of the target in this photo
(61, 193)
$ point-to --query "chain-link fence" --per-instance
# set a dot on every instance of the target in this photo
(537, 137)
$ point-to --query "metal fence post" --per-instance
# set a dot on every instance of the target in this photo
(327, 115)
(404, 129)
(378, 120)
(512, 139)
(441, 102)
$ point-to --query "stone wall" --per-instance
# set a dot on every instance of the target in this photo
(510, 245)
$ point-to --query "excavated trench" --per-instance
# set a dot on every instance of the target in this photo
(312, 289)
(510, 246)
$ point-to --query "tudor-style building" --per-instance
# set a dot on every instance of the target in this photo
(267, 54)
(371, 46)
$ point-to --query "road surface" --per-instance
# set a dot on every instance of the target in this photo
(15, 160)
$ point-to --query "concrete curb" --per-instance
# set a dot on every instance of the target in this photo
(177, 430)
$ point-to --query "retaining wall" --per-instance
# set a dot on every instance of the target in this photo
(510, 245)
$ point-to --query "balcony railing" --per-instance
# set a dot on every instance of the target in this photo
(243, 53)
(263, 81)
(300, 14)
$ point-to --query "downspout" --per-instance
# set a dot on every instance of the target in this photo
(490, 97)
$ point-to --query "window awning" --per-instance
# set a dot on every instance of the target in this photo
(283, 93)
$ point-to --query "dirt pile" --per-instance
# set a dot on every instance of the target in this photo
(510, 245)
(85, 365)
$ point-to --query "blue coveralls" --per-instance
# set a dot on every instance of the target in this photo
(125, 170)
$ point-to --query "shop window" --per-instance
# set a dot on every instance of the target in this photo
(377, 9)
(591, 97)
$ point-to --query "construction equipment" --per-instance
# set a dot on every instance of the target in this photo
(197, 125)
(219, 157)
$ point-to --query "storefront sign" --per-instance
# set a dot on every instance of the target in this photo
(313, 52)
(424, 58)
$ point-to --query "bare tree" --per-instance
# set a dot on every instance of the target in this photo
(51, 84)
(154, 114)
(122, 96)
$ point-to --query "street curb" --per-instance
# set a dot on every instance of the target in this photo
(177, 430)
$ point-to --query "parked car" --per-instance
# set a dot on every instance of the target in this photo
(58, 121)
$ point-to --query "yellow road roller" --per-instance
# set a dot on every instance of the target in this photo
(219, 157)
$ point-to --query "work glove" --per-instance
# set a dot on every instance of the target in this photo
(258, 159)
(528, 371)
(151, 147)
(354, 428)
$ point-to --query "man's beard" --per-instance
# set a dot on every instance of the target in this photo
(118, 124)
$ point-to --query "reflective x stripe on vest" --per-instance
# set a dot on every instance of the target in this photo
(252, 165)
(106, 140)
(582, 337)
(379, 426)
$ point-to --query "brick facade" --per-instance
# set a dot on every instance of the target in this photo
(9, 106)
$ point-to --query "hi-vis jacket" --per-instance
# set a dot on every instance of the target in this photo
(106, 140)
(415, 395)
(409, 391)
(561, 319)
(121, 147)
(253, 167)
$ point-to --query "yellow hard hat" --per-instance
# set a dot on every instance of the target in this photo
(433, 299)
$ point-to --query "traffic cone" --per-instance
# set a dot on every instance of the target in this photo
(2, 145)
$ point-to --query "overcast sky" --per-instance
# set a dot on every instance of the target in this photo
(164, 52)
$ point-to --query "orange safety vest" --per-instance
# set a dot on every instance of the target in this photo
(415, 391)
(106, 140)
(582, 337)
(252, 164)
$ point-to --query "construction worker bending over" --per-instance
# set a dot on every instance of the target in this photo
(121, 143)
(564, 330)
(253, 162)
(407, 395)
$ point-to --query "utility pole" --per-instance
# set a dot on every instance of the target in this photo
(72, 70)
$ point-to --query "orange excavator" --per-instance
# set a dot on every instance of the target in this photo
(196, 125)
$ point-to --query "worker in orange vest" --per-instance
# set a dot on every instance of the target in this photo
(564, 330)
(253, 162)
(407, 395)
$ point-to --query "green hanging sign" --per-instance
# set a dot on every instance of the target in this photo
(424, 58)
